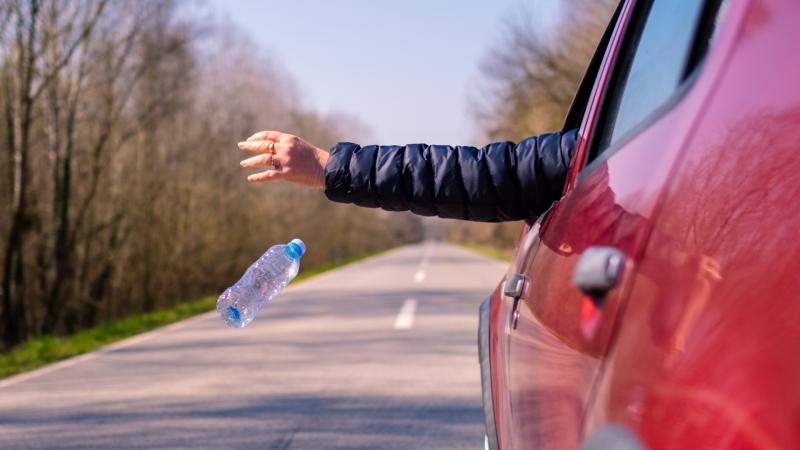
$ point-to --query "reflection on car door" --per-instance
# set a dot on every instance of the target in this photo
(638, 117)
(707, 344)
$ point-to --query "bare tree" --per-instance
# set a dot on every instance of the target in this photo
(124, 194)
(21, 96)
(531, 76)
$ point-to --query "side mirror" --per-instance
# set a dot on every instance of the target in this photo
(598, 271)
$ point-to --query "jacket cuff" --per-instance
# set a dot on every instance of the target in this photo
(337, 172)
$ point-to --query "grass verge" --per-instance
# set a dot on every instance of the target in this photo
(499, 254)
(44, 350)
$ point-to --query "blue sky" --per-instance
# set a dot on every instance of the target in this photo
(406, 68)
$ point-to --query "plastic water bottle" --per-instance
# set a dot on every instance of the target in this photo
(263, 280)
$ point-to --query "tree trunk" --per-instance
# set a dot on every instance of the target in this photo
(13, 262)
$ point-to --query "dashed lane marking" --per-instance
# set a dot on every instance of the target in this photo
(419, 276)
(405, 318)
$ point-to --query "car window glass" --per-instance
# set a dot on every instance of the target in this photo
(659, 63)
(657, 67)
(665, 42)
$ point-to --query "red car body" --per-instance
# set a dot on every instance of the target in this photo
(693, 347)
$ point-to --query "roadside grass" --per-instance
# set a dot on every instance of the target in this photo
(37, 352)
(41, 351)
(500, 254)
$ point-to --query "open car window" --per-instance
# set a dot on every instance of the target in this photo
(581, 100)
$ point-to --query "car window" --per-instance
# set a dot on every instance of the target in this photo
(666, 41)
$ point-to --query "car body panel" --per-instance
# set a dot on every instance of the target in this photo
(551, 362)
(499, 312)
(501, 306)
(704, 355)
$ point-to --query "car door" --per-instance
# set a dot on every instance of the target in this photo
(496, 312)
(634, 124)
(704, 357)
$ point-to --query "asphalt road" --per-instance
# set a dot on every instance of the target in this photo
(378, 354)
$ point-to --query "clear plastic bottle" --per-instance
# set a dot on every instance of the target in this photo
(264, 279)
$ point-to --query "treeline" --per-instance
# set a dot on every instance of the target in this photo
(121, 190)
(529, 79)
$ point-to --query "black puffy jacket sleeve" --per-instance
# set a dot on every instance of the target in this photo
(500, 182)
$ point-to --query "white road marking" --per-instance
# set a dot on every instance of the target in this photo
(419, 276)
(426, 257)
(405, 318)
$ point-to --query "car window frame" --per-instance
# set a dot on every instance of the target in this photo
(577, 109)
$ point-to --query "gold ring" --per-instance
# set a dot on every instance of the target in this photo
(271, 147)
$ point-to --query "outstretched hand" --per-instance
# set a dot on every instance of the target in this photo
(286, 157)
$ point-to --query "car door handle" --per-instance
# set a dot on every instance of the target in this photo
(513, 288)
(598, 271)
(514, 285)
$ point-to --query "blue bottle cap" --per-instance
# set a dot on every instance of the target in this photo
(296, 248)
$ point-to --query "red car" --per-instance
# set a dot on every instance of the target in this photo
(657, 304)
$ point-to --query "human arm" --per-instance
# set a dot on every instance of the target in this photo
(499, 182)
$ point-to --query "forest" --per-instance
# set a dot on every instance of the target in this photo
(120, 189)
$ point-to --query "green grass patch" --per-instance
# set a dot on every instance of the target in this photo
(499, 254)
(44, 350)
(48, 349)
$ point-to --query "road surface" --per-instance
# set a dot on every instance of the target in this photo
(378, 354)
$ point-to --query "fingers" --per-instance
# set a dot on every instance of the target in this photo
(263, 160)
(258, 146)
(276, 136)
(266, 176)
(268, 144)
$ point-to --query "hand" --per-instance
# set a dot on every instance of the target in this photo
(288, 158)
